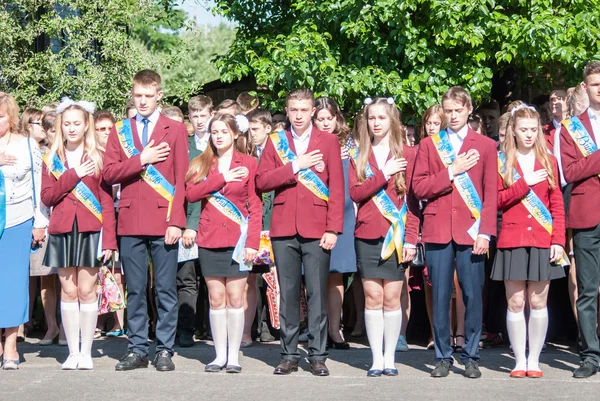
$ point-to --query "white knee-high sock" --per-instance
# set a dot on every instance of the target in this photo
(218, 328)
(235, 330)
(374, 326)
(538, 326)
(517, 333)
(392, 321)
(69, 312)
(88, 317)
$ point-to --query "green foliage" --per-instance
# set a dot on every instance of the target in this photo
(413, 50)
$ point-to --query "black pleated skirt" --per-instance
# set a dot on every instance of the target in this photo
(73, 249)
(370, 264)
(525, 264)
(217, 262)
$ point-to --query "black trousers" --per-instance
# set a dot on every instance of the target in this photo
(134, 257)
(187, 294)
(587, 254)
(291, 254)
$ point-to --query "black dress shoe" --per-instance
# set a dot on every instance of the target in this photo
(585, 370)
(472, 370)
(319, 368)
(131, 361)
(162, 362)
(233, 369)
(335, 345)
(186, 339)
(213, 368)
(442, 368)
(285, 368)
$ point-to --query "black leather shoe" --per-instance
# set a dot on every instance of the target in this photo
(233, 369)
(285, 368)
(472, 370)
(213, 368)
(585, 370)
(131, 361)
(162, 362)
(319, 368)
(442, 368)
(186, 339)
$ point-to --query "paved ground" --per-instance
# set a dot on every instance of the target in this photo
(40, 377)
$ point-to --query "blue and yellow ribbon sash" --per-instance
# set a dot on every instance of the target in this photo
(462, 181)
(394, 238)
(307, 177)
(150, 174)
(532, 203)
(81, 191)
(229, 210)
(2, 204)
(581, 136)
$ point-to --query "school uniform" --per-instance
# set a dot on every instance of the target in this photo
(584, 217)
(217, 233)
(523, 243)
(372, 226)
(299, 221)
(446, 220)
(74, 231)
(142, 225)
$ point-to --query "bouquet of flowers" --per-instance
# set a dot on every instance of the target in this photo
(110, 298)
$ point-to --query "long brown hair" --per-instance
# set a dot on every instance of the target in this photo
(539, 147)
(365, 138)
(202, 164)
(435, 109)
(342, 131)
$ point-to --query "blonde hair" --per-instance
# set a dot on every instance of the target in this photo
(460, 94)
(12, 109)
(577, 100)
(92, 149)
(435, 109)
(202, 164)
(397, 135)
(539, 147)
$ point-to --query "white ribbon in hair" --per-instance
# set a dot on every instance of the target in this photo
(368, 100)
(521, 106)
(242, 123)
(67, 101)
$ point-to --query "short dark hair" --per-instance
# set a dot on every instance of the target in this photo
(101, 115)
(49, 120)
(247, 102)
(227, 103)
(147, 78)
(200, 102)
(260, 116)
(301, 94)
(593, 67)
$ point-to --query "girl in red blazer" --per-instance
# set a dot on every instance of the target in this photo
(382, 148)
(222, 171)
(527, 251)
(80, 239)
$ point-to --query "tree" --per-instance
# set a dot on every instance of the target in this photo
(413, 50)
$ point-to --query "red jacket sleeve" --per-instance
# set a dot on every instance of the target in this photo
(269, 177)
(254, 209)
(362, 192)
(335, 205)
(109, 222)
(411, 234)
(489, 209)
(181, 162)
(54, 191)
(557, 209)
(117, 170)
(426, 183)
(201, 190)
(575, 167)
(508, 197)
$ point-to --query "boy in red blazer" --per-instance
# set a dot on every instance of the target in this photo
(454, 233)
(148, 156)
(579, 139)
(305, 224)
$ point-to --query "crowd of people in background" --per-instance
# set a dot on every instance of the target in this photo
(307, 228)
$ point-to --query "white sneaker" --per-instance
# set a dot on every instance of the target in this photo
(71, 362)
(85, 362)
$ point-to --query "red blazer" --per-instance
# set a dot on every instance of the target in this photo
(142, 211)
(519, 228)
(216, 230)
(446, 216)
(549, 131)
(296, 210)
(583, 173)
(370, 223)
(57, 194)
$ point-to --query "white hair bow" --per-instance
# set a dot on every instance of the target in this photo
(368, 100)
(521, 106)
(242, 123)
(67, 101)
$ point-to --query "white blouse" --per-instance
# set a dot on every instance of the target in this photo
(18, 185)
(381, 155)
(527, 162)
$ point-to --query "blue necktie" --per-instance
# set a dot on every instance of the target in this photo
(145, 121)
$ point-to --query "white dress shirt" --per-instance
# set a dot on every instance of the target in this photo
(201, 143)
(152, 120)
(301, 144)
